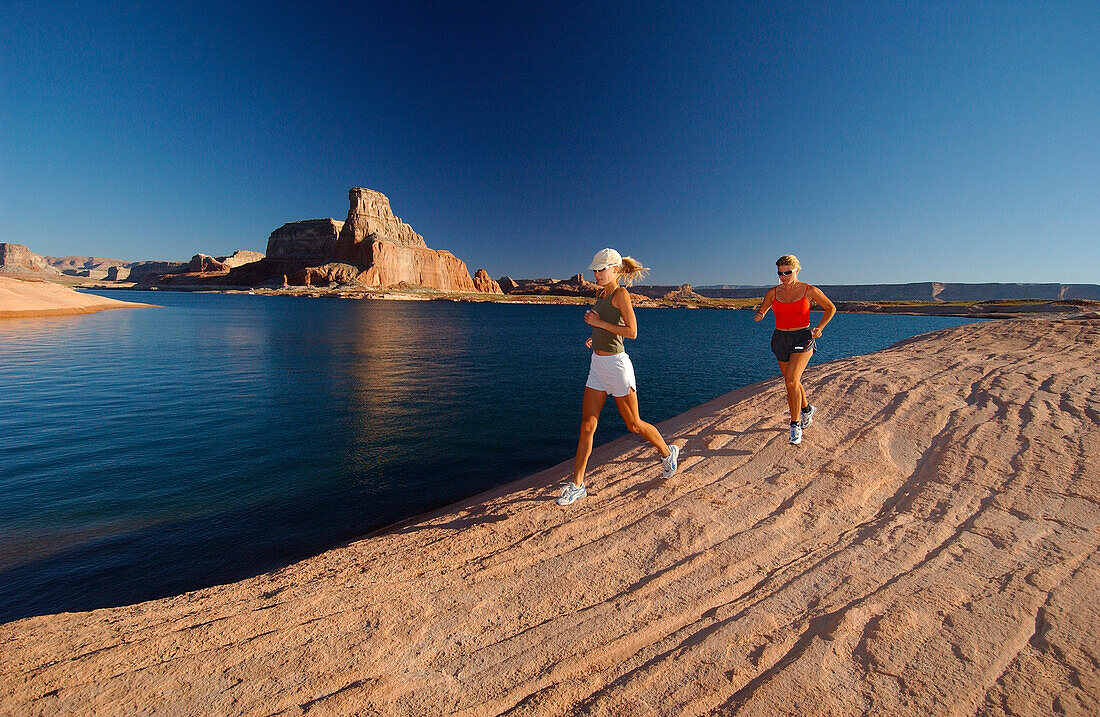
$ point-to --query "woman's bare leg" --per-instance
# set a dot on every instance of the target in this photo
(590, 416)
(792, 376)
(628, 408)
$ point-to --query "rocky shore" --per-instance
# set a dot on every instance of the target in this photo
(930, 548)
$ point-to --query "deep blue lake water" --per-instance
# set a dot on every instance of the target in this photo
(147, 452)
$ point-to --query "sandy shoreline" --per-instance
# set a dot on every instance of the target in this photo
(27, 298)
(931, 548)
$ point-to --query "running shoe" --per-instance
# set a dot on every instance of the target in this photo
(796, 434)
(571, 493)
(808, 416)
(671, 461)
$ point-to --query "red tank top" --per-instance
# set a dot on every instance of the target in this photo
(791, 314)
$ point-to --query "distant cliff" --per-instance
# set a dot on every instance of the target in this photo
(91, 267)
(384, 250)
(101, 268)
(291, 249)
(921, 291)
(924, 291)
(390, 252)
(312, 241)
(18, 259)
(371, 219)
(574, 286)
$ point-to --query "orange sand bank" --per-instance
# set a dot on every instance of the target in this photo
(21, 298)
(930, 548)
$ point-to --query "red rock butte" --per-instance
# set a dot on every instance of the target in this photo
(372, 247)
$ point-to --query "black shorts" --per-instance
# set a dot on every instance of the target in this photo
(785, 343)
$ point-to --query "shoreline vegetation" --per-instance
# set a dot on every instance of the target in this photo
(998, 308)
(940, 521)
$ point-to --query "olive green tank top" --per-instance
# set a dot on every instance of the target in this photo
(602, 339)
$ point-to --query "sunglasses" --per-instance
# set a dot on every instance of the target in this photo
(785, 273)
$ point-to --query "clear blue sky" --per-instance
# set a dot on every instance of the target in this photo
(880, 141)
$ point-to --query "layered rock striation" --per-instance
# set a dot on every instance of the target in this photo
(240, 258)
(390, 264)
(383, 250)
(932, 548)
(485, 284)
(371, 219)
(390, 252)
(150, 272)
(924, 291)
(91, 267)
(18, 259)
(311, 241)
(372, 247)
(576, 285)
(684, 293)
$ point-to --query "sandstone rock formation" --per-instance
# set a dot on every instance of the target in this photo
(201, 269)
(485, 284)
(240, 258)
(373, 247)
(684, 293)
(371, 219)
(391, 252)
(203, 264)
(390, 264)
(573, 286)
(292, 248)
(95, 267)
(18, 259)
(311, 241)
(96, 274)
(149, 272)
(327, 275)
(384, 250)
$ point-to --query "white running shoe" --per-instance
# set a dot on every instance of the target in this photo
(808, 416)
(571, 493)
(671, 461)
(796, 434)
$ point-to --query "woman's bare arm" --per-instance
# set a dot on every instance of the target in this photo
(764, 305)
(818, 297)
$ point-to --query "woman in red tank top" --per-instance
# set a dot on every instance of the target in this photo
(794, 341)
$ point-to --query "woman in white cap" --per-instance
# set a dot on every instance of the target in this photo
(612, 319)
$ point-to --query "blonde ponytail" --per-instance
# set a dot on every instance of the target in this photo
(631, 270)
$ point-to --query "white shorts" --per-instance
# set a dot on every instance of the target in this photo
(612, 374)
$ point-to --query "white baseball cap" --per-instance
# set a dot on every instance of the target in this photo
(605, 258)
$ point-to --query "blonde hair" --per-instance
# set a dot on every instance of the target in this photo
(789, 260)
(631, 269)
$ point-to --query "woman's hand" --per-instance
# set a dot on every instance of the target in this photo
(764, 305)
(592, 318)
(816, 332)
(588, 342)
